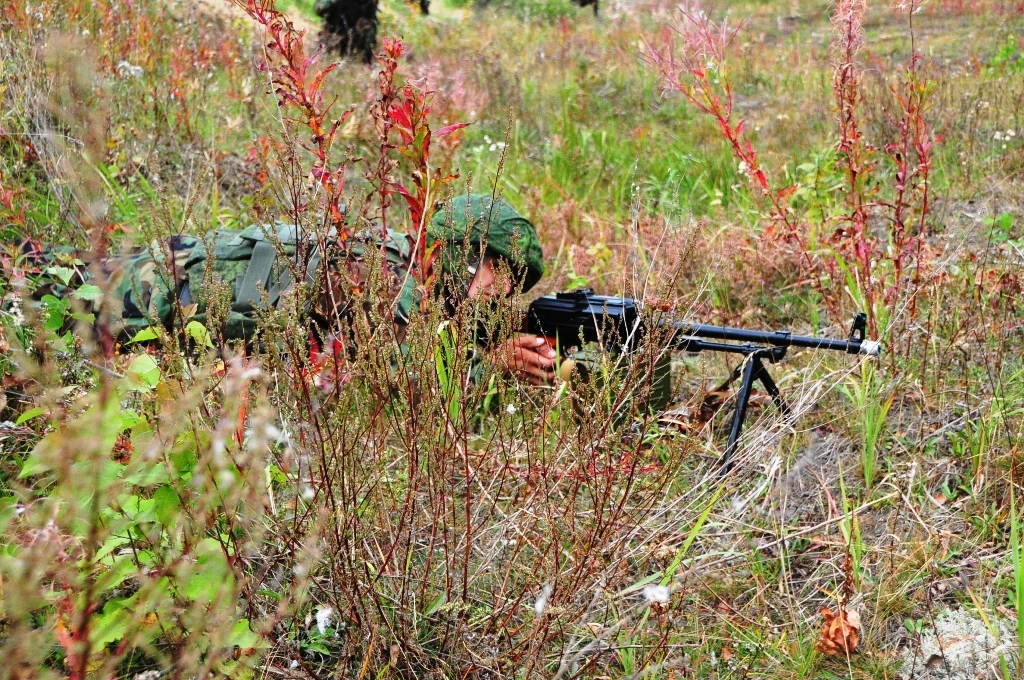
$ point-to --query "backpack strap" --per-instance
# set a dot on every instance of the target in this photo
(312, 266)
(260, 267)
(256, 276)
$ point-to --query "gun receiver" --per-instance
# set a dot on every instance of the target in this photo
(580, 316)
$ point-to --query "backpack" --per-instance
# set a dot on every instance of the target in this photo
(143, 287)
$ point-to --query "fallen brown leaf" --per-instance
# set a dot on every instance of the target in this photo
(841, 632)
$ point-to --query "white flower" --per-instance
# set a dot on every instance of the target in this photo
(125, 68)
(998, 136)
(656, 594)
(323, 619)
(542, 602)
(510, 409)
(1010, 134)
(744, 167)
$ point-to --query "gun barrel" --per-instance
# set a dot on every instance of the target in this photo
(776, 338)
(582, 316)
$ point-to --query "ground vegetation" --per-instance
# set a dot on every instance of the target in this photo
(178, 506)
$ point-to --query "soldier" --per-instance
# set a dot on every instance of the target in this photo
(487, 252)
(350, 26)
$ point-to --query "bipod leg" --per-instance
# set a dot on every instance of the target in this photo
(752, 368)
(773, 390)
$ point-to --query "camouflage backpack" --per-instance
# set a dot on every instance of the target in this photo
(153, 285)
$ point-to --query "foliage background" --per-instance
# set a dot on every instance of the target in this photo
(176, 509)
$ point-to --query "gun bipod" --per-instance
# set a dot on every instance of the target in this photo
(752, 368)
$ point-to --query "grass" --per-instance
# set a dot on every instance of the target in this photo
(205, 512)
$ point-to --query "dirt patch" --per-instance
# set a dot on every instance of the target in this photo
(228, 10)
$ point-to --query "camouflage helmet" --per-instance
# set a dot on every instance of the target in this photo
(480, 221)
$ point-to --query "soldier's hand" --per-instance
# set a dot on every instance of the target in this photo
(528, 357)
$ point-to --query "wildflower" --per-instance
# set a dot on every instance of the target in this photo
(998, 136)
(744, 167)
(510, 409)
(542, 602)
(323, 619)
(657, 594)
(1010, 134)
(125, 68)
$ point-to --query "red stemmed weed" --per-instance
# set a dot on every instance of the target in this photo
(15, 214)
(690, 55)
(880, 268)
(911, 155)
(401, 116)
(299, 85)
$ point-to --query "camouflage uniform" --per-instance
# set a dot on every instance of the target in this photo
(157, 284)
(350, 27)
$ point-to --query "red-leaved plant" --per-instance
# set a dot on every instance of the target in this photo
(299, 86)
(401, 120)
(691, 55)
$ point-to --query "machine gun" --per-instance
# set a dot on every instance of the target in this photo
(578, 317)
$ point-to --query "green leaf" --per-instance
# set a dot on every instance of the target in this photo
(167, 505)
(121, 569)
(29, 415)
(62, 273)
(242, 636)
(184, 461)
(130, 418)
(317, 647)
(143, 373)
(100, 475)
(89, 292)
(198, 332)
(148, 474)
(9, 510)
(204, 585)
(33, 464)
(269, 593)
(112, 543)
(145, 334)
(276, 475)
(112, 624)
